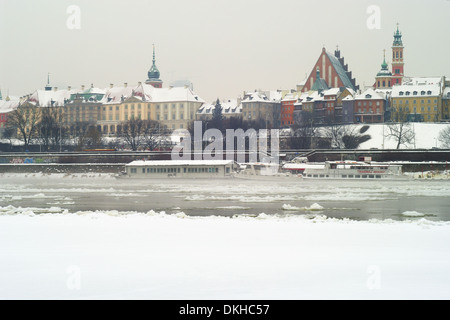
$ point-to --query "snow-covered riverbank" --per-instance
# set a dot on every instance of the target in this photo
(106, 255)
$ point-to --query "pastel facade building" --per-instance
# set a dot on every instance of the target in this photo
(446, 104)
(287, 109)
(418, 99)
(369, 107)
(231, 108)
(263, 107)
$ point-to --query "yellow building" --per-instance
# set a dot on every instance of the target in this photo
(446, 104)
(173, 107)
(418, 99)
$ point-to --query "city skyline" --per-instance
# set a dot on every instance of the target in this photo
(223, 48)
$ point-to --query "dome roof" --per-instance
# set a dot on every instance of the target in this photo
(153, 73)
(384, 68)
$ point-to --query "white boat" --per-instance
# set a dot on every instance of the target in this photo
(180, 169)
(354, 170)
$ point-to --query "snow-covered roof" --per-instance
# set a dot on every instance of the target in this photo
(229, 107)
(446, 94)
(114, 95)
(331, 92)
(290, 97)
(263, 96)
(46, 98)
(8, 106)
(369, 94)
(160, 163)
(147, 92)
(348, 98)
(419, 87)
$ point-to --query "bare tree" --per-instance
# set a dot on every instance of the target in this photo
(9, 133)
(50, 126)
(133, 132)
(153, 136)
(304, 132)
(335, 132)
(401, 130)
(444, 137)
(26, 120)
(87, 136)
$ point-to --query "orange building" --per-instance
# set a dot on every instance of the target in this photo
(287, 109)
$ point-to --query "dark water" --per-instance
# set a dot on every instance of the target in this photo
(357, 200)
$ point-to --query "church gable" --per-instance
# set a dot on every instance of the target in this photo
(332, 70)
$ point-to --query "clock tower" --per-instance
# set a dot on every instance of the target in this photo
(397, 58)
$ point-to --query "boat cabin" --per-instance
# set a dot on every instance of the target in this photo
(181, 169)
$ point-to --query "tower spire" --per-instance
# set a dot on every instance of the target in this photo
(397, 57)
(154, 59)
(153, 73)
(48, 87)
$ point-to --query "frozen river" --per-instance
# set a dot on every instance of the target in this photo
(97, 237)
(356, 200)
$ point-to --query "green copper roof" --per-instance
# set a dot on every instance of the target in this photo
(319, 84)
(384, 69)
(153, 73)
(397, 38)
(341, 72)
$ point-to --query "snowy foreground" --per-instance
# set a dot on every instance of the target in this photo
(108, 255)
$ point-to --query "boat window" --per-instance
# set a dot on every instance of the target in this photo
(344, 176)
(314, 175)
(378, 176)
(350, 176)
(184, 170)
(357, 176)
(143, 170)
(371, 176)
(217, 170)
(179, 170)
(364, 176)
(322, 175)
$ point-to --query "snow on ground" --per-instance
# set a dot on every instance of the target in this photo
(427, 136)
(110, 255)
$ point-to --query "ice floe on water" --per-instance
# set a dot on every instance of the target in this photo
(313, 207)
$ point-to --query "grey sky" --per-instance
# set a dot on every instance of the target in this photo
(224, 47)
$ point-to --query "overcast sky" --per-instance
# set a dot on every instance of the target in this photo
(223, 47)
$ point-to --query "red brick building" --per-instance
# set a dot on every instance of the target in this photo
(333, 70)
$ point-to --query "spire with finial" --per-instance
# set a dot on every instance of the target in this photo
(48, 87)
(384, 72)
(398, 37)
(153, 73)
(384, 65)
